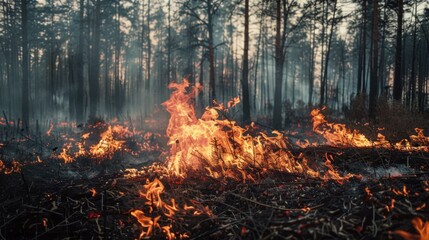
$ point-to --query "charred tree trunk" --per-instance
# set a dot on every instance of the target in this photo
(373, 90)
(311, 58)
(212, 85)
(94, 91)
(258, 49)
(412, 82)
(149, 50)
(245, 75)
(277, 114)
(168, 44)
(397, 81)
(118, 87)
(324, 84)
(25, 62)
(79, 69)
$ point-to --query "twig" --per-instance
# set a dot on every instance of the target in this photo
(273, 207)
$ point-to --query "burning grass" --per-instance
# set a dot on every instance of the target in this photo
(218, 180)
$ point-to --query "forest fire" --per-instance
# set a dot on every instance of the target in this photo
(222, 148)
(101, 139)
(212, 167)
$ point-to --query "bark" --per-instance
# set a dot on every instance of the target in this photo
(258, 49)
(311, 59)
(149, 49)
(397, 80)
(324, 84)
(412, 82)
(25, 63)
(277, 114)
(79, 69)
(212, 86)
(245, 75)
(373, 90)
(95, 69)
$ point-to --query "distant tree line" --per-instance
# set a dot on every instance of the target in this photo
(77, 59)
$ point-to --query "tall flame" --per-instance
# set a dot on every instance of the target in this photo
(219, 146)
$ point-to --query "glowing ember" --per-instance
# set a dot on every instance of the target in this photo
(93, 192)
(13, 167)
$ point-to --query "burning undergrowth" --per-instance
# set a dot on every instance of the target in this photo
(216, 180)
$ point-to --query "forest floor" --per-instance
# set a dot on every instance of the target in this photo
(41, 197)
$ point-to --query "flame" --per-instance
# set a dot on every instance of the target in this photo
(45, 222)
(93, 192)
(404, 192)
(421, 227)
(218, 146)
(338, 134)
(51, 127)
(103, 141)
(148, 223)
(107, 145)
(158, 208)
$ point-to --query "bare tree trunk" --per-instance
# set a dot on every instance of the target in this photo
(323, 85)
(277, 114)
(25, 62)
(412, 83)
(169, 43)
(149, 50)
(312, 58)
(212, 85)
(397, 81)
(258, 48)
(245, 75)
(95, 69)
(118, 90)
(79, 69)
(373, 90)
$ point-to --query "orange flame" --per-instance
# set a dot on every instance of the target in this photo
(421, 227)
(152, 195)
(219, 146)
(338, 134)
(109, 142)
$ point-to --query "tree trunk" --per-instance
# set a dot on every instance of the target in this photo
(311, 58)
(277, 114)
(397, 81)
(323, 85)
(212, 86)
(258, 49)
(95, 69)
(412, 83)
(245, 75)
(169, 44)
(149, 50)
(118, 90)
(79, 70)
(373, 90)
(25, 62)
